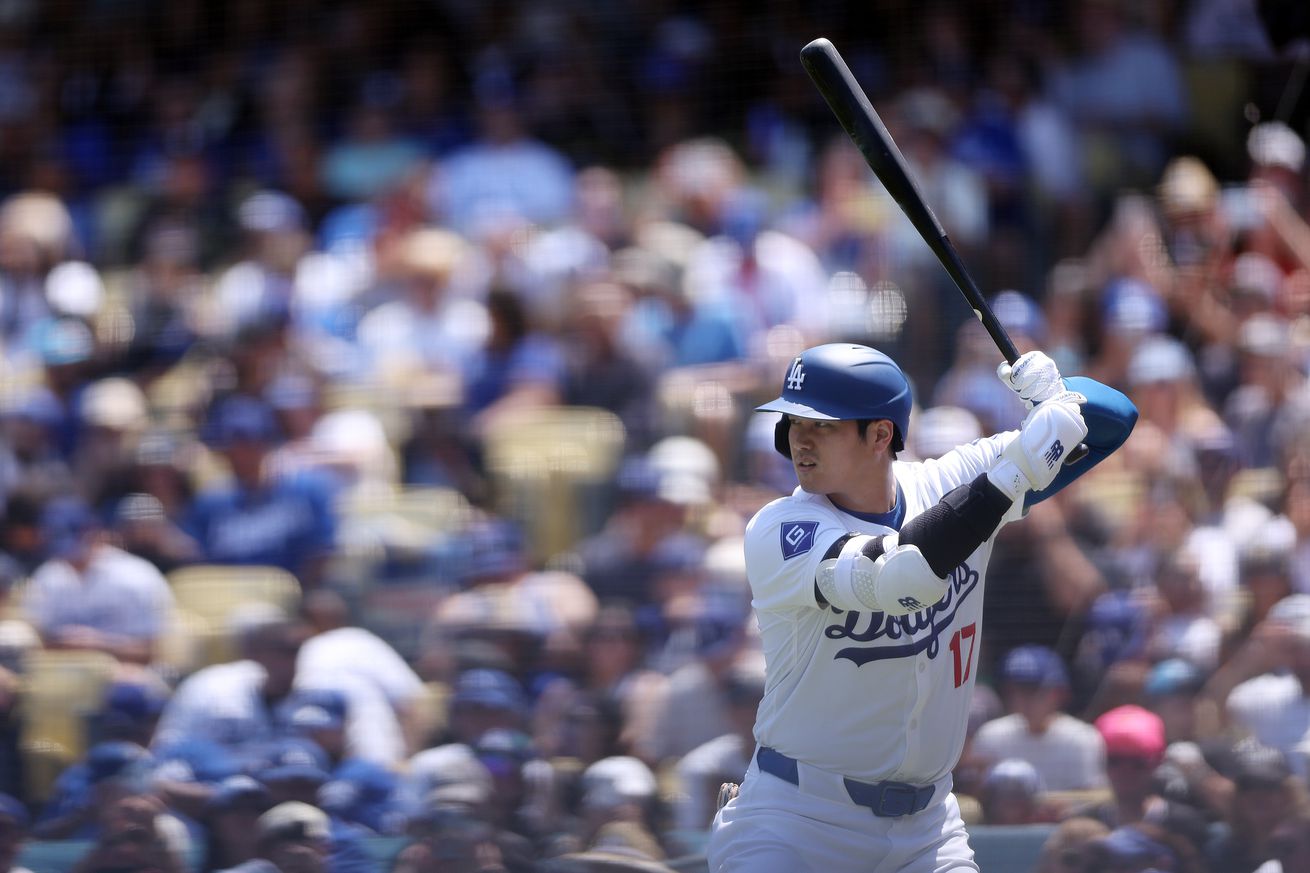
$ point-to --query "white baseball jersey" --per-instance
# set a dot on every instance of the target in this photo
(870, 696)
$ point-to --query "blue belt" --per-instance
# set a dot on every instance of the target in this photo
(886, 799)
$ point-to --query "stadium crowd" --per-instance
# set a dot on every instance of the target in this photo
(377, 432)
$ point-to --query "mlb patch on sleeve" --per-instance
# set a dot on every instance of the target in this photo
(797, 537)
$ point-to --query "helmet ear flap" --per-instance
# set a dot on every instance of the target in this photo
(781, 442)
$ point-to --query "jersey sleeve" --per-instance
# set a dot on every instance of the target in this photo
(1110, 418)
(785, 543)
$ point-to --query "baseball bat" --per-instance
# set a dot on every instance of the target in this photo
(861, 122)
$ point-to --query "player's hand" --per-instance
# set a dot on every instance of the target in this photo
(1033, 459)
(1034, 377)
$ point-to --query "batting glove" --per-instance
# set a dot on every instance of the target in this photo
(1033, 459)
(1034, 377)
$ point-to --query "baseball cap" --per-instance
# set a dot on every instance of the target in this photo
(270, 212)
(37, 404)
(453, 776)
(293, 820)
(75, 288)
(243, 418)
(1256, 765)
(116, 758)
(1034, 665)
(940, 429)
(493, 689)
(1257, 275)
(238, 792)
(63, 341)
(65, 521)
(612, 781)
(294, 758)
(1265, 335)
(130, 703)
(1131, 306)
(318, 709)
(1160, 359)
(1013, 774)
(1132, 731)
(1018, 313)
(489, 547)
(1173, 676)
(1274, 144)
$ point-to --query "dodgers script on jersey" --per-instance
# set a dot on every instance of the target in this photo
(867, 695)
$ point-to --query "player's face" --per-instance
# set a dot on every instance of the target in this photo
(831, 458)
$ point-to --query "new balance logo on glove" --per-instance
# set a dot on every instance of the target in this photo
(1054, 453)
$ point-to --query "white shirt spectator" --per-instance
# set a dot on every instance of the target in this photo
(694, 712)
(1274, 708)
(1069, 756)
(1193, 638)
(525, 179)
(225, 705)
(118, 593)
(700, 773)
(358, 652)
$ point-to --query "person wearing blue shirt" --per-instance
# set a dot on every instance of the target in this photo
(283, 522)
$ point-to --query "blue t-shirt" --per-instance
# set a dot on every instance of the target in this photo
(284, 524)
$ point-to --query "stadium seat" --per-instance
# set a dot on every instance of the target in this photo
(550, 466)
(61, 690)
(210, 592)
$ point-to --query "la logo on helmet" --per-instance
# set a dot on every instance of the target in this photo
(796, 378)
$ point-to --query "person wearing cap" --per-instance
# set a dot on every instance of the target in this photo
(230, 817)
(1067, 753)
(702, 770)
(258, 517)
(1265, 793)
(1066, 849)
(1134, 747)
(483, 700)
(1269, 378)
(1173, 692)
(430, 326)
(264, 282)
(1011, 793)
(1141, 848)
(296, 838)
(1182, 626)
(91, 594)
(1269, 677)
(295, 771)
(112, 414)
(137, 834)
(618, 789)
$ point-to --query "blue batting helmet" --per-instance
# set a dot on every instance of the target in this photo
(841, 382)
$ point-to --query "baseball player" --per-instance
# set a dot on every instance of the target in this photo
(867, 583)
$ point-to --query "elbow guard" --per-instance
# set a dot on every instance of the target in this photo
(879, 574)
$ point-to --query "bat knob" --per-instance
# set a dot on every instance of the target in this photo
(1077, 454)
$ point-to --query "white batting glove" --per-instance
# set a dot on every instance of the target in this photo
(1033, 459)
(1034, 377)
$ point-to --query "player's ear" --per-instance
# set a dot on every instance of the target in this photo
(882, 433)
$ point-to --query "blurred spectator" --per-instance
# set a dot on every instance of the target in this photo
(1183, 627)
(518, 367)
(1134, 746)
(371, 156)
(1067, 753)
(1171, 691)
(1266, 794)
(295, 836)
(621, 790)
(93, 595)
(84, 793)
(504, 175)
(1290, 845)
(484, 700)
(257, 518)
(230, 818)
(1011, 793)
(1066, 850)
(13, 833)
(1124, 90)
(724, 759)
(1273, 705)
(428, 327)
(263, 285)
(137, 835)
(1142, 848)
